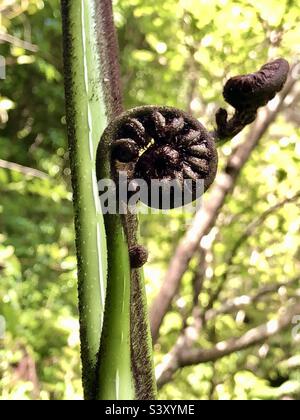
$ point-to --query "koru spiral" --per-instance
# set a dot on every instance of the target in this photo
(167, 144)
(164, 144)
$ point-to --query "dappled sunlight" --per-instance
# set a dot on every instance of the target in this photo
(224, 281)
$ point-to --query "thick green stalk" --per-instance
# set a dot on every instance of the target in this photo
(116, 358)
(92, 100)
(125, 297)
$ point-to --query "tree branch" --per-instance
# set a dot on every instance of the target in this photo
(18, 42)
(4, 164)
(240, 302)
(258, 221)
(192, 356)
(248, 231)
(207, 215)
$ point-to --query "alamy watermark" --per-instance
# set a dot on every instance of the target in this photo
(2, 67)
(162, 195)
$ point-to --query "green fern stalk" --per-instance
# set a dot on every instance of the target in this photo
(112, 305)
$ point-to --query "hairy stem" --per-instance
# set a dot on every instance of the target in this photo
(91, 101)
(111, 295)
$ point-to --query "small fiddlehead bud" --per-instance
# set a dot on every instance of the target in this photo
(256, 89)
(163, 144)
(247, 93)
(138, 256)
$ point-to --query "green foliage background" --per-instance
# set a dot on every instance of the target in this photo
(177, 53)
